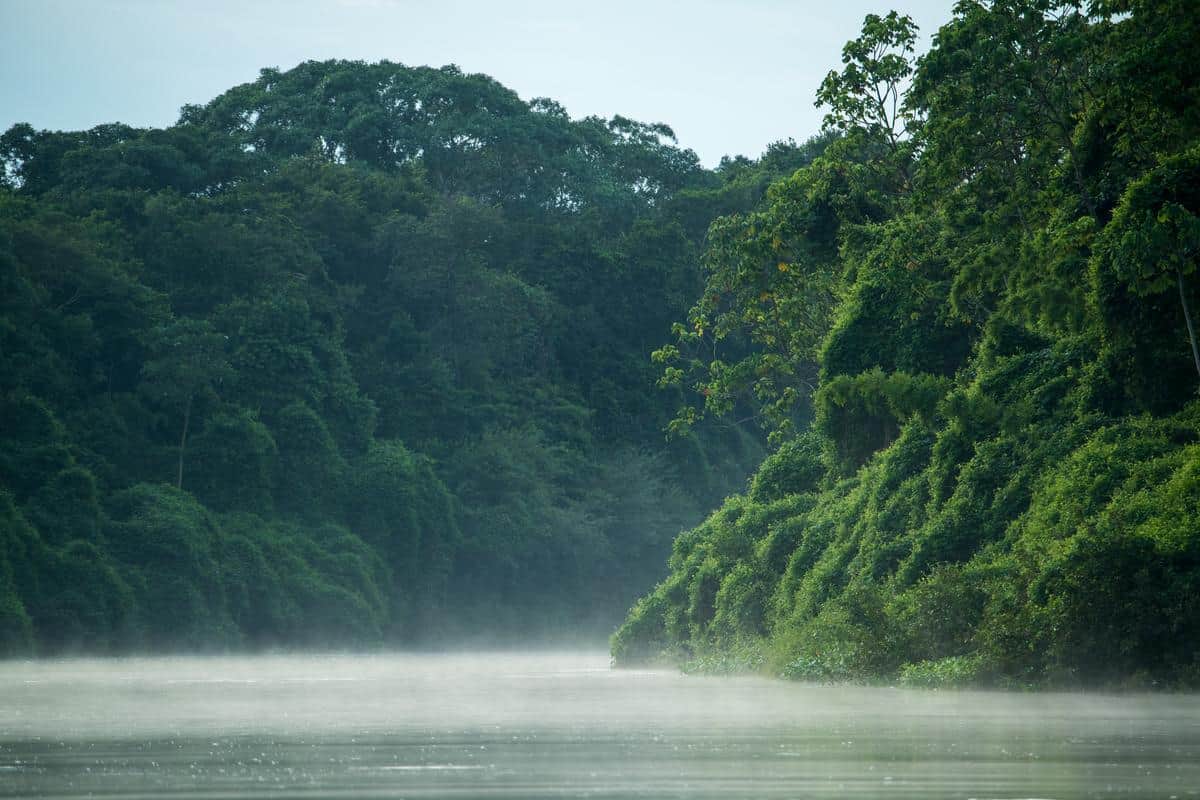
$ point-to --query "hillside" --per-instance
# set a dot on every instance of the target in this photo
(362, 355)
(354, 354)
(975, 349)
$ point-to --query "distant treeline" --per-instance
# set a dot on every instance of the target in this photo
(354, 354)
(973, 337)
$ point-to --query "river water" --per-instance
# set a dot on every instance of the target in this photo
(544, 725)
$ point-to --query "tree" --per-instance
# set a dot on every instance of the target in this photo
(751, 340)
(866, 99)
(1004, 99)
(187, 364)
(1152, 244)
(233, 301)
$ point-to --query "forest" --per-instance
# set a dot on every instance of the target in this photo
(353, 355)
(972, 340)
(363, 354)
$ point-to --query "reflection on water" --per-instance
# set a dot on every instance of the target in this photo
(561, 725)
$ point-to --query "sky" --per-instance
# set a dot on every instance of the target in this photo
(729, 76)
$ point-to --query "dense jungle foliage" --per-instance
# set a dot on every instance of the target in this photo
(969, 326)
(353, 354)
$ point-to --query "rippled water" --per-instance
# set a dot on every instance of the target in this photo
(561, 725)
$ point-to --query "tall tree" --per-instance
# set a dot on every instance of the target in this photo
(188, 361)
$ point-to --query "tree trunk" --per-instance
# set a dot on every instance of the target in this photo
(1187, 316)
(187, 418)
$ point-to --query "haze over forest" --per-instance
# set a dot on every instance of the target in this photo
(364, 354)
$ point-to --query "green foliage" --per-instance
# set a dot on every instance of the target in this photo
(895, 315)
(951, 672)
(171, 546)
(643, 638)
(17, 538)
(865, 99)
(770, 287)
(863, 414)
(233, 444)
(999, 485)
(311, 472)
(730, 660)
(16, 629)
(67, 507)
(357, 353)
(1146, 281)
(795, 468)
(405, 512)
(87, 604)
(353, 354)
(34, 444)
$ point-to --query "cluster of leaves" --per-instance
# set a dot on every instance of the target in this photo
(353, 353)
(1000, 477)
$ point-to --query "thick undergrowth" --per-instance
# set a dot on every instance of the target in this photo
(973, 340)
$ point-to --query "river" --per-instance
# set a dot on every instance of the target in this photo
(550, 725)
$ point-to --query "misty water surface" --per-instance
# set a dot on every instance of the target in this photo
(561, 725)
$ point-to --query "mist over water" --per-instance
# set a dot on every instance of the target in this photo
(507, 725)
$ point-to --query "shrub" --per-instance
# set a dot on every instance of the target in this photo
(943, 673)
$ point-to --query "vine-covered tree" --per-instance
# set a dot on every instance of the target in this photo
(1000, 478)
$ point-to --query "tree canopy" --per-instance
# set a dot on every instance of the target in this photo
(354, 353)
(969, 325)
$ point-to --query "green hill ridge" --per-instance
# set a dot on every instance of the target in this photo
(355, 354)
(974, 318)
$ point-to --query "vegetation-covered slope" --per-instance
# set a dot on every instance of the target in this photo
(354, 353)
(977, 308)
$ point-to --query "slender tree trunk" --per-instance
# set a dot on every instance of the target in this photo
(187, 418)
(1187, 315)
(1081, 184)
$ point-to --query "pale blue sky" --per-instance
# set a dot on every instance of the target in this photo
(729, 77)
